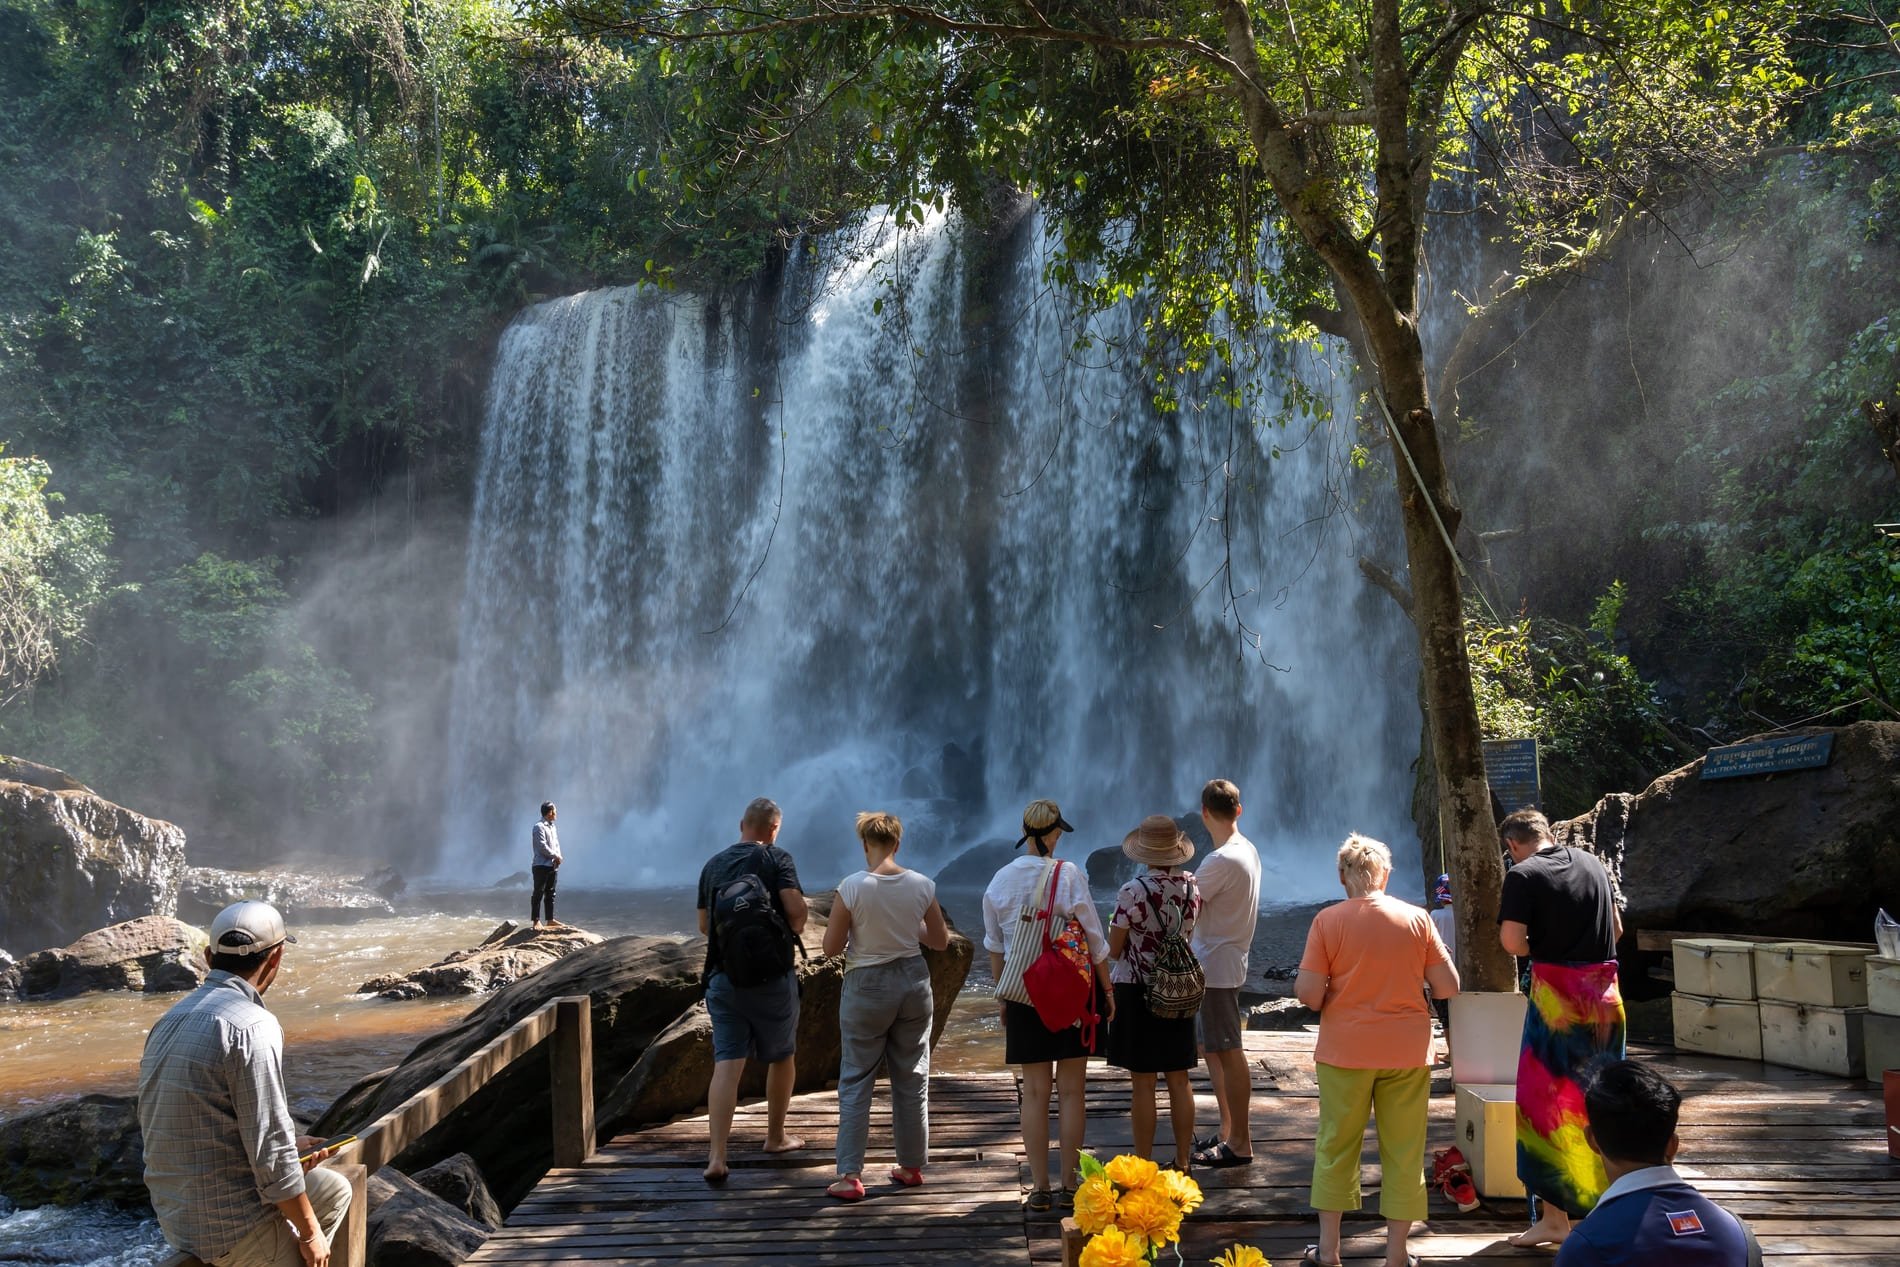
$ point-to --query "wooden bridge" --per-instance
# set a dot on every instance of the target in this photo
(1801, 1156)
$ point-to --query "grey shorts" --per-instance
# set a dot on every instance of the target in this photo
(1218, 1025)
(760, 1021)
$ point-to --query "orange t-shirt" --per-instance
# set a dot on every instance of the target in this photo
(1374, 950)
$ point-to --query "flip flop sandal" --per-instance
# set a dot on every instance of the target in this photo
(850, 1188)
(1220, 1157)
(907, 1176)
(1312, 1259)
(1042, 1201)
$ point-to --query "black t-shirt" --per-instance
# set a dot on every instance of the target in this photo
(770, 863)
(1562, 896)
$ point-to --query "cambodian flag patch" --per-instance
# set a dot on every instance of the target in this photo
(1685, 1222)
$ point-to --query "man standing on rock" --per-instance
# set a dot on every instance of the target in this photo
(547, 860)
(1223, 935)
(221, 1153)
(752, 911)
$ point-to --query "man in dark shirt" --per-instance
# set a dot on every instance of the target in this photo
(760, 1021)
(1649, 1216)
(1558, 908)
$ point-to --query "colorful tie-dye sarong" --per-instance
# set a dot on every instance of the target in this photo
(1574, 1025)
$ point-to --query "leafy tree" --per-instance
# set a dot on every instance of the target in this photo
(1171, 146)
(54, 570)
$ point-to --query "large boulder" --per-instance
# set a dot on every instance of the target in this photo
(637, 987)
(32, 773)
(1807, 853)
(672, 1076)
(409, 1226)
(71, 861)
(153, 954)
(1109, 868)
(505, 956)
(458, 1180)
(312, 898)
(86, 1149)
(9, 976)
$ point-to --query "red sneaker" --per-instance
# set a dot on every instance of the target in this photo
(1460, 1191)
(1447, 1161)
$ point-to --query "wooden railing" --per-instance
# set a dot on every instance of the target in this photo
(566, 1024)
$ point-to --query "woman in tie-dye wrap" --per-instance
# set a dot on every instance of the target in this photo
(1558, 908)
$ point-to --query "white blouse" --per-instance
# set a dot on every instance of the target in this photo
(1012, 890)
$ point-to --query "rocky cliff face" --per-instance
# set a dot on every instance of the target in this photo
(72, 861)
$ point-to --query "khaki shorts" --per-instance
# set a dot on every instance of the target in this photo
(272, 1243)
(1218, 1025)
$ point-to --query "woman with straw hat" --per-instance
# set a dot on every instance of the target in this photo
(1163, 899)
(1046, 1058)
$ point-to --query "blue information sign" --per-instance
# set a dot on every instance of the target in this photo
(1510, 767)
(1768, 756)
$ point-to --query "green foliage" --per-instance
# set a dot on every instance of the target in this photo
(54, 570)
(1598, 723)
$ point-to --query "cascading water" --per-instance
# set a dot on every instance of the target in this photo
(898, 545)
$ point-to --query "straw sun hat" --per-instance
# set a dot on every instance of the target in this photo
(1158, 843)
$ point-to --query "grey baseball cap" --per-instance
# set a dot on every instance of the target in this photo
(248, 928)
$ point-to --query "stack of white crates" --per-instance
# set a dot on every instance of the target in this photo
(1813, 1006)
(1883, 1016)
(1714, 1005)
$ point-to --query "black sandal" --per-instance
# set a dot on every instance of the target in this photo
(1221, 1157)
(1041, 1201)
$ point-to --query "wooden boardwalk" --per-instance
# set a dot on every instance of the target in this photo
(1801, 1156)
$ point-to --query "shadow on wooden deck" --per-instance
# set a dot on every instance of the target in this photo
(1801, 1156)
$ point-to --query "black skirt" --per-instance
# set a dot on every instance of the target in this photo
(1141, 1042)
(1027, 1041)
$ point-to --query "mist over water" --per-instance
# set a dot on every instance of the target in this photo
(882, 536)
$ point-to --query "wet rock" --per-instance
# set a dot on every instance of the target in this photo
(458, 1181)
(386, 882)
(315, 899)
(71, 861)
(672, 1076)
(518, 880)
(637, 987)
(86, 1149)
(1807, 853)
(409, 1226)
(9, 976)
(1109, 868)
(153, 954)
(505, 956)
(33, 774)
(975, 866)
(1281, 1014)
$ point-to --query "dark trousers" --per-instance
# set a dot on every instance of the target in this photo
(543, 888)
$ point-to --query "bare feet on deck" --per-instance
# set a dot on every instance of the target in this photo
(1542, 1232)
(790, 1144)
(715, 1172)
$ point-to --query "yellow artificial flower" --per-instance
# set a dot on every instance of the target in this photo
(1095, 1204)
(1242, 1256)
(1181, 1188)
(1110, 1248)
(1153, 1214)
(1130, 1172)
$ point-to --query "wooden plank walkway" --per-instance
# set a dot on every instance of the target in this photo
(1801, 1156)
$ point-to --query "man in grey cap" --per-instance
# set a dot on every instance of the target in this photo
(221, 1153)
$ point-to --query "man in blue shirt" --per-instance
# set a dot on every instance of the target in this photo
(1649, 1216)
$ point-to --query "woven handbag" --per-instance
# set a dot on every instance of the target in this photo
(1174, 986)
(1029, 937)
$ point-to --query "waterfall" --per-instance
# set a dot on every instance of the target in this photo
(881, 536)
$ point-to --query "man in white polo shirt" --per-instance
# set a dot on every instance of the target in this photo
(1223, 934)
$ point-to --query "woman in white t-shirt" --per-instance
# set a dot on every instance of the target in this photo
(1059, 1058)
(880, 922)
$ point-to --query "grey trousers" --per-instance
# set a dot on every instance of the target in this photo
(884, 1015)
(272, 1243)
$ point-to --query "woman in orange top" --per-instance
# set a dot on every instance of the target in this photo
(1367, 963)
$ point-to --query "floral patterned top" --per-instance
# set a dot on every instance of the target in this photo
(1147, 907)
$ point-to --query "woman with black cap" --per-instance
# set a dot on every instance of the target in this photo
(1046, 1058)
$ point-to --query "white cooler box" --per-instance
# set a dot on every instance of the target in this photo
(1883, 985)
(1803, 972)
(1720, 1027)
(1882, 1045)
(1824, 1039)
(1486, 1126)
(1714, 968)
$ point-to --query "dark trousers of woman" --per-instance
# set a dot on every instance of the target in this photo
(543, 888)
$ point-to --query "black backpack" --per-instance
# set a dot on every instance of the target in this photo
(755, 944)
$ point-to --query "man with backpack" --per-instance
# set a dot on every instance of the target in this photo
(752, 911)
